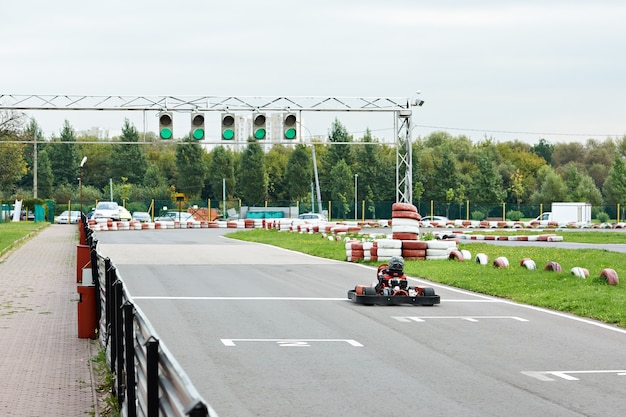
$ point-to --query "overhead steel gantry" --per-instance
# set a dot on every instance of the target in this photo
(401, 107)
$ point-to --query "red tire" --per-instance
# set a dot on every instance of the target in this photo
(405, 214)
(413, 253)
(357, 253)
(501, 262)
(404, 236)
(403, 207)
(455, 254)
(414, 244)
(610, 276)
(553, 266)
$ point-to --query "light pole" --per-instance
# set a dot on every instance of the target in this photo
(81, 184)
(356, 177)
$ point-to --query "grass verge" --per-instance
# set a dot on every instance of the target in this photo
(12, 234)
(591, 297)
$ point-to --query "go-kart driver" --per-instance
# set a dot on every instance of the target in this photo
(391, 278)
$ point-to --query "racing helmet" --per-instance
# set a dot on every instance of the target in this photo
(396, 265)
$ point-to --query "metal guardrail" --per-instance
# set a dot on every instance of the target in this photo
(148, 381)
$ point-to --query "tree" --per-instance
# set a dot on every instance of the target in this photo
(487, 184)
(336, 152)
(544, 150)
(191, 170)
(32, 133)
(130, 160)
(587, 191)
(45, 179)
(64, 158)
(298, 173)
(221, 172)
(251, 175)
(12, 164)
(517, 186)
(373, 168)
(552, 187)
(276, 161)
(615, 185)
(342, 187)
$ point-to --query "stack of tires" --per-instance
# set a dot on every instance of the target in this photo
(384, 249)
(404, 221)
(440, 249)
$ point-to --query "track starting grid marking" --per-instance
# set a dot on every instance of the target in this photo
(291, 342)
(548, 376)
(466, 318)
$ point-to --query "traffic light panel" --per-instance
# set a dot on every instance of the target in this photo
(289, 126)
(259, 130)
(228, 126)
(197, 126)
(166, 125)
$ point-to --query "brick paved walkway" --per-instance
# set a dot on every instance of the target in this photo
(44, 366)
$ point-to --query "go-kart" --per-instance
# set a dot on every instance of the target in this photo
(392, 289)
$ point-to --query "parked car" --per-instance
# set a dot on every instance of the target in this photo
(125, 215)
(142, 216)
(68, 217)
(179, 216)
(312, 217)
(107, 210)
(441, 220)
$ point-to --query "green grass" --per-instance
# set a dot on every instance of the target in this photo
(13, 233)
(591, 297)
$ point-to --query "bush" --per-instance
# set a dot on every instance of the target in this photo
(603, 217)
(478, 215)
(514, 215)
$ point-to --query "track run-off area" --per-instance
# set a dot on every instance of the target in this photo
(263, 331)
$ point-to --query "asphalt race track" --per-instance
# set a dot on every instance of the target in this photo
(262, 331)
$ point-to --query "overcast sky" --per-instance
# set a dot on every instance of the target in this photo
(552, 69)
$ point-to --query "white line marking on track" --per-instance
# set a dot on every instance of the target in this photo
(473, 319)
(158, 297)
(240, 298)
(291, 342)
(546, 375)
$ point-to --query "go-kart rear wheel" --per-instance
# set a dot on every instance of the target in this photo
(428, 292)
(369, 291)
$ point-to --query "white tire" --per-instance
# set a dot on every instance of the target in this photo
(482, 259)
(389, 243)
(405, 229)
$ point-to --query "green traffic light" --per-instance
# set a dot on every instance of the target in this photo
(259, 134)
(166, 133)
(290, 133)
(228, 134)
(198, 134)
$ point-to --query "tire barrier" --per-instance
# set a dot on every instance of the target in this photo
(610, 276)
(530, 238)
(528, 264)
(404, 221)
(440, 249)
(552, 266)
(579, 272)
(501, 262)
(481, 258)
(456, 255)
